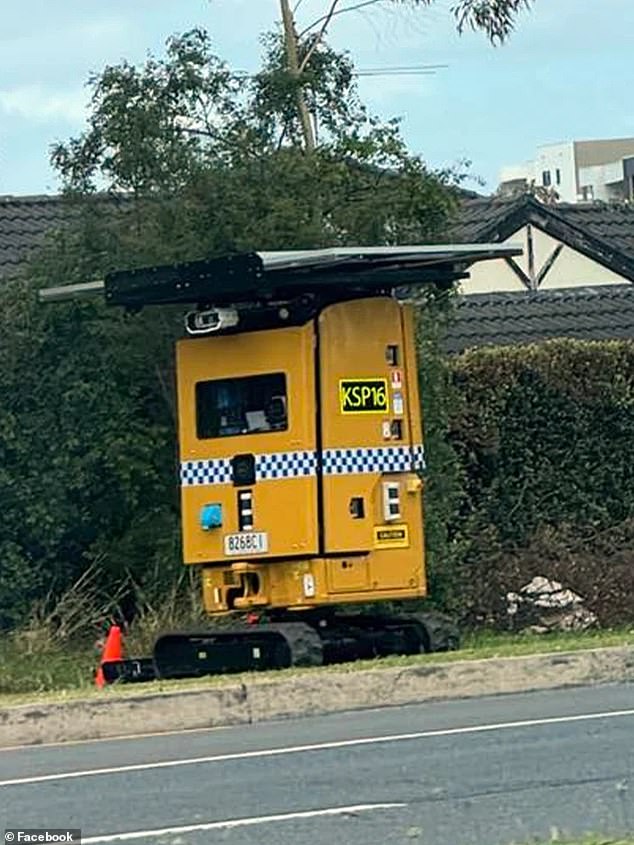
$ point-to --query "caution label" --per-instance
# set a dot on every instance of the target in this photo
(391, 537)
(363, 396)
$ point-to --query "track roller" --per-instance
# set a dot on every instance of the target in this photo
(245, 648)
(362, 636)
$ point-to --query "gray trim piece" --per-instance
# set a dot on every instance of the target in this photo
(65, 293)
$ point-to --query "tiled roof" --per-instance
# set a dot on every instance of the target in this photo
(613, 223)
(603, 232)
(592, 313)
(477, 220)
(24, 221)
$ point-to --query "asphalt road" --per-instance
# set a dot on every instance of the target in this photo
(490, 770)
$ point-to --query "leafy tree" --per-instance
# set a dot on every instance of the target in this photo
(218, 160)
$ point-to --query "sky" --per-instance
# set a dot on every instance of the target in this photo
(567, 73)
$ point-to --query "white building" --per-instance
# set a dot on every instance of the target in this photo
(577, 171)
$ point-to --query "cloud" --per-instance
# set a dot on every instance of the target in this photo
(40, 47)
(40, 105)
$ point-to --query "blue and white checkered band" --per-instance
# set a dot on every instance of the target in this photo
(418, 458)
(285, 465)
(267, 467)
(372, 460)
(216, 471)
(301, 464)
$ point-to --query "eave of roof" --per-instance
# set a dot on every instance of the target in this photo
(496, 220)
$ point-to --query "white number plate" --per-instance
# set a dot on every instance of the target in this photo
(247, 543)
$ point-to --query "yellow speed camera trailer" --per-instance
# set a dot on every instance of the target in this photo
(299, 448)
(301, 451)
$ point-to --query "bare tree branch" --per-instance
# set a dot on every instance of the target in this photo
(193, 130)
(352, 8)
(282, 136)
(320, 35)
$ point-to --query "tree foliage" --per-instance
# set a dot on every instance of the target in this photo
(496, 18)
(218, 164)
(86, 444)
(444, 476)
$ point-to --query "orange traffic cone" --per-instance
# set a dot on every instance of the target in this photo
(112, 651)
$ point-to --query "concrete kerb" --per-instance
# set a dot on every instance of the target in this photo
(265, 697)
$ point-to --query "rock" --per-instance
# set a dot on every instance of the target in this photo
(543, 605)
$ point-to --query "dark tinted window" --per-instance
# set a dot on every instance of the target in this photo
(227, 407)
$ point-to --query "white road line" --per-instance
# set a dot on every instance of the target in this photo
(231, 823)
(322, 746)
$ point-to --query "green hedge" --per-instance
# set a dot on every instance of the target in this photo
(544, 436)
(88, 466)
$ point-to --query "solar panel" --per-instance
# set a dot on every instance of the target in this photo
(261, 277)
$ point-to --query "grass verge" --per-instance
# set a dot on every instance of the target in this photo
(58, 675)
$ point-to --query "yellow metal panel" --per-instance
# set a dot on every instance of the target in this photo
(413, 486)
(398, 571)
(285, 507)
(282, 584)
(348, 576)
(363, 560)
(412, 396)
(288, 350)
(354, 339)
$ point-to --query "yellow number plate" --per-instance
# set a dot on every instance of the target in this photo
(363, 396)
